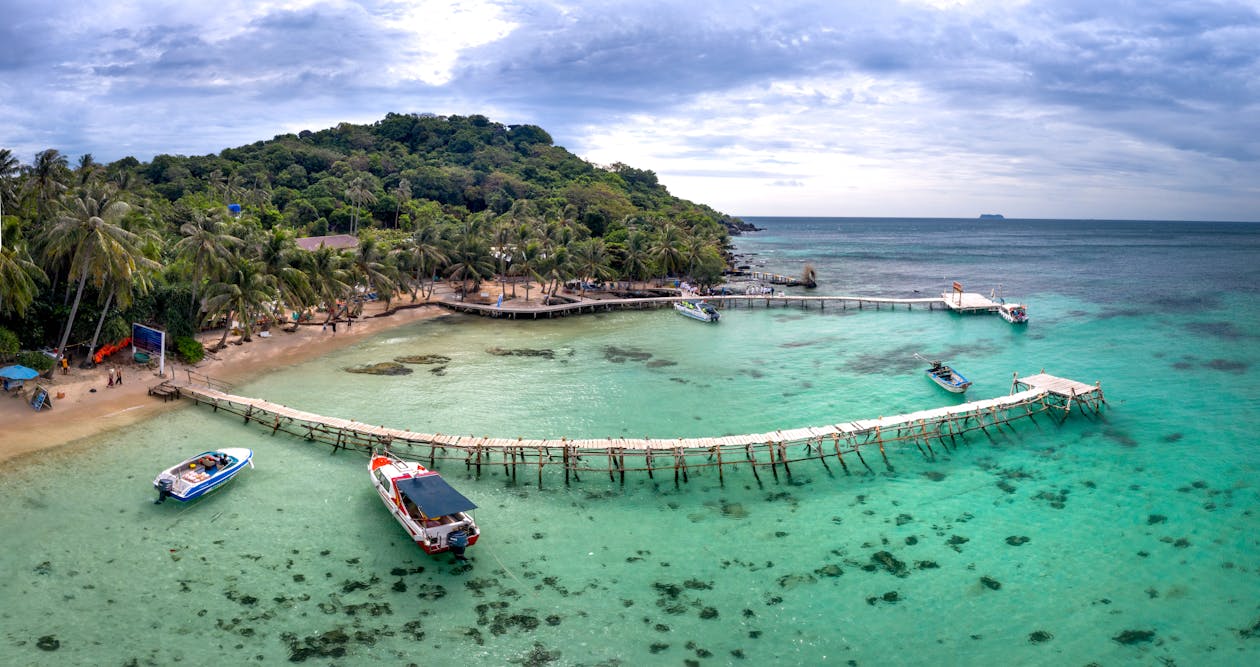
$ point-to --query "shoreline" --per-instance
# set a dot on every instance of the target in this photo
(90, 407)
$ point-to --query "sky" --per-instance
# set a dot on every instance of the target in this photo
(1139, 109)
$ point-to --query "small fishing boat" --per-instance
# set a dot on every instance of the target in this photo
(1015, 313)
(201, 474)
(949, 379)
(697, 310)
(432, 512)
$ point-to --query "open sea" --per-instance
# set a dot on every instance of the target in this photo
(1126, 538)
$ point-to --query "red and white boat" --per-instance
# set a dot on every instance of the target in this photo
(429, 509)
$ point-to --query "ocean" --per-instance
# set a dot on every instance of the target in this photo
(1124, 538)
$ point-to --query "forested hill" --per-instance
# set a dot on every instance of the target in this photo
(404, 164)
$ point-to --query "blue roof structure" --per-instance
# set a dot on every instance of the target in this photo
(18, 373)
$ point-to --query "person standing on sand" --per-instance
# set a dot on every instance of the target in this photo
(118, 378)
(111, 379)
(65, 366)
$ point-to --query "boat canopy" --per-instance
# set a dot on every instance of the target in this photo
(434, 496)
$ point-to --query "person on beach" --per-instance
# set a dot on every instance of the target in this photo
(118, 377)
(65, 366)
(111, 379)
(334, 323)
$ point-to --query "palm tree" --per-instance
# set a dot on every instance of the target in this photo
(279, 256)
(206, 245)
(402, 195)
(637, 261)
(503, 251)
(370, 268)
(426, 251)
(9, 167)
(89, 236)
(19, 278)
(591, 261)
(359, 192)
(328, 277)
(528, 259)
(87, 170)
(243, 293)
(666, 252)
(47, 180)
(470, 256)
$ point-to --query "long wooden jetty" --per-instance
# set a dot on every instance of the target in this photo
(590, 305)
(1029, 396)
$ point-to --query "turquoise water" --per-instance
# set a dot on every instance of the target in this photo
(1142, 520)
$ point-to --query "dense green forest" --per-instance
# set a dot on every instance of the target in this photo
(182, 242)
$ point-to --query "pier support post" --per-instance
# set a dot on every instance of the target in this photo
(835, 439)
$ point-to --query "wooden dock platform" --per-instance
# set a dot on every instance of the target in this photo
(592, 305)
(1030, 396)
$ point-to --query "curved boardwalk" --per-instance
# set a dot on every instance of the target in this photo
(591, 305)
(616, 456)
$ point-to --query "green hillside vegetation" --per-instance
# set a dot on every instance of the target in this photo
(89, 248)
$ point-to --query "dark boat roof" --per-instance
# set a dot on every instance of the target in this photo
(434, 496)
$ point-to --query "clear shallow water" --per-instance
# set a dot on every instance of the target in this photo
(1142, 520)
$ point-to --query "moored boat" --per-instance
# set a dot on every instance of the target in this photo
(201, 474)
(697, 310)
(946, 377)
(432, 512)
(1015, 313)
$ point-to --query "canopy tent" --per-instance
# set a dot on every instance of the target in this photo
(434, 496)
(18, 373)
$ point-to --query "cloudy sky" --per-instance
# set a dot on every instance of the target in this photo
(1073, 108)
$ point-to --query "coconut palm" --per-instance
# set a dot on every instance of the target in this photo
(19, 280)
(88, 235)
(9, 167)
(325, 269)
(591, 261)
(402, 195)
(637, 260)
(280, 257)
(243, 293)
(666, 251)
(359, 192)
(370, 269)
(470, 255)
(207, 246)
(426, 252)
(46, 181)
(504, 250)
(528, 259)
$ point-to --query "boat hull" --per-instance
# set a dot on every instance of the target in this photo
(1013, 313)
(431, 535)
(949, 380)
(702, 312)
(188, 482)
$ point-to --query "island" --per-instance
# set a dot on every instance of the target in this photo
(992, 216)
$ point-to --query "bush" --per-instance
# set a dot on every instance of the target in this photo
(189, 350)
(37, 360)
(9, 344)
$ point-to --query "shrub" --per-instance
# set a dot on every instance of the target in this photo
(37, 360)
(9, 344)
(189, 350)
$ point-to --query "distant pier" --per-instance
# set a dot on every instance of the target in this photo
(832, 443)
(968, 303)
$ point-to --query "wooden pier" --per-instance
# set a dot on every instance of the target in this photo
(845, 444)
(591, 305)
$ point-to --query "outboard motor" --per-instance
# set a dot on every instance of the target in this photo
(164, 490)
(458, 541)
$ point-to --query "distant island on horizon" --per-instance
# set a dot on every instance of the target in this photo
(992, 216)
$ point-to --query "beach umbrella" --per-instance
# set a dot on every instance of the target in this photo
(18, 373)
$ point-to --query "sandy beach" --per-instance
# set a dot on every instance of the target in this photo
(84, 404)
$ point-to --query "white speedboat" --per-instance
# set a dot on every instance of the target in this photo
(432, 512)
(201, 474)
(1015, 313)
(697, 310)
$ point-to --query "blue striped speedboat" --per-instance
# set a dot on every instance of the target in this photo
(201, 474)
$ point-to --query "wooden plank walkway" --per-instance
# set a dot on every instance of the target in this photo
(1041, 393)
(594, 305)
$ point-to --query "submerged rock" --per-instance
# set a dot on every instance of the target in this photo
(1130, 637)
(521, 352)
(990, 583)
(1039, 636)
(1017, 540)
(383, 368)
(48, 643)
(423, 359)
(890, 563)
